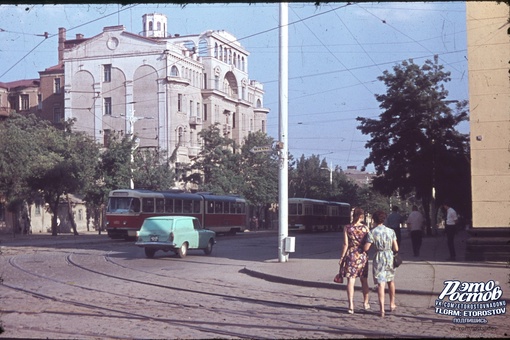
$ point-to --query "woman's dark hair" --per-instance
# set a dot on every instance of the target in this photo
(379, 216)
(356, 213)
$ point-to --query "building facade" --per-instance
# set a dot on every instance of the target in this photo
(488, 45)
(163, 89)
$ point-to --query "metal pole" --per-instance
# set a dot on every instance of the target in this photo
(283, 138)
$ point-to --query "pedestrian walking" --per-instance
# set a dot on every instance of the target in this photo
(393, 221)
(450, 229)
(415, 225)
(354, 260)
(385, 242)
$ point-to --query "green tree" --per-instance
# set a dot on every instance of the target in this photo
(414, 145)
(260, 171)
(152, 170)
(216, 168)
(22, 153)
(68, 163)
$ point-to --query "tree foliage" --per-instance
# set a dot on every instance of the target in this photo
(216, 168)
(152, 170)
(414, 144)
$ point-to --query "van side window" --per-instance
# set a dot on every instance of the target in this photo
(196, 224)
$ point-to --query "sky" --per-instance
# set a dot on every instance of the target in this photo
(336, 52)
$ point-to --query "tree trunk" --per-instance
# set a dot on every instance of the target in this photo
(426, 202)
(54, 219)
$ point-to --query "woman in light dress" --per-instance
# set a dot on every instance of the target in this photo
(385, 242)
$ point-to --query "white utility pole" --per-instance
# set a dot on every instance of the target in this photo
(283, 184)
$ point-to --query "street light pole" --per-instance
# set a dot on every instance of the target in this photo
(131, 119)
(283, 198)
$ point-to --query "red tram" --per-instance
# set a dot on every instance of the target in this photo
(310, 215)
(128, 208)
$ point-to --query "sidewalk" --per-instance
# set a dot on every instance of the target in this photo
(423, 275)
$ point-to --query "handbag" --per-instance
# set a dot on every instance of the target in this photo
(397, 260)
(338, 277)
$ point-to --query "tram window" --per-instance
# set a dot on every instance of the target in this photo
(308, 210)
(160, 205)
(218, 207)
(135, 205)
(319, 210)
(196, 207)
(187, 206)
(169, 205)
(334, 211)
(148, 204)
(178, 206)
(292, 209)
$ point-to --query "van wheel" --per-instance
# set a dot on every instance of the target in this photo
(183, 250)
(208, 249)
(150, 252)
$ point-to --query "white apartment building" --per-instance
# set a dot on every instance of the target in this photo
(163, 89)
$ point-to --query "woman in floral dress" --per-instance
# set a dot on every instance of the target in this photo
(386, 245)
(354, 261)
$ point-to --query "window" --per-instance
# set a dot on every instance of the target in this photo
(160, 205)
(57, 114)
(205, 80)
(198, 110)
(205, 112)
(179, 102)
(108, 106)
(107, 73)
(174, 72)
(180, 136)
(56, 88)
(39, 102)
(263, 126)
(25, 102)
(233, 120)
(190, 108)
(148, 204)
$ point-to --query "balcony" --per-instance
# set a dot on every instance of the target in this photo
(194, 120)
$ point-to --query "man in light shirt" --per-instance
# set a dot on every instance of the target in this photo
(450, 229)
(415, 225)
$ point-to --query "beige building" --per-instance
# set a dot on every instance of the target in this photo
(164, 89)
(488, 44)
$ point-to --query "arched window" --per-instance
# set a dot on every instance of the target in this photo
(180, 136)
(203, 48)
(174, 72)
(150, 25)
(259, 103)
(243, 65)
(225, 55)
(216, 50)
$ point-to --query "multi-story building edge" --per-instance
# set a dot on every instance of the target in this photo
(488, 45)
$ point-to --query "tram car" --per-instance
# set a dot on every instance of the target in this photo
(128, 208)
(310, 215)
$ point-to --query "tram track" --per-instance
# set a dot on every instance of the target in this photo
(100, 310)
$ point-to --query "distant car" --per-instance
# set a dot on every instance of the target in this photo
(174, 233)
